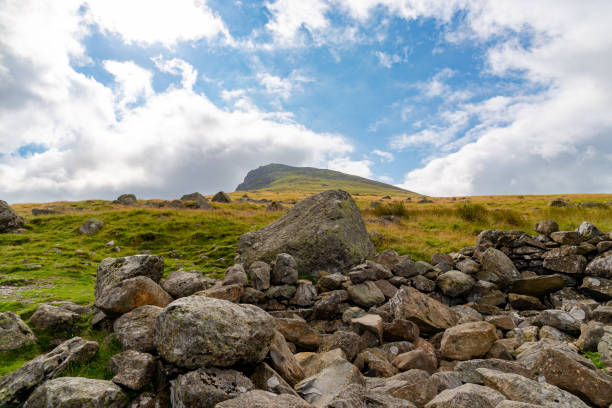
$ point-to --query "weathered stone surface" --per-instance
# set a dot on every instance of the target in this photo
(597, 288)
(468, 340)
(369, 271)
(126, 199)
(235, 275)
(537, 285)
(566, 237)
(197, 331)
(430, 315)
(467, 266)
(416, 359)
(206, 387)
(265, 378)
(260, 275)
(332, 281)
(77, 392)
(366, 294)
(373, 363)
(263, 399)
(231, 293)
(498, 264)
(323, 387)
(455, 283)
(415, 386)
(604, 346)
(467, 396)
(185, 283)
(570, 264)
(330, 305)
(221, 197)
(503, 322)
(16, 386)
(305, 294)
(9, 219)
(468, 374)
(91, 226)
(517, 404)
(369, 322)
(283, 360)
(130, 294)
(400, 329)
(525, 302)
(298, 332)
(285, 270)
(196, 200)
(603, 314)
(349, 342)
(558, 319)
(587, 230)
(423, 284)
(14, 333)
(601, 266)
(322, 232)
(285, 292)
(519, 388)
(590, 335)
(546, 227)
(47, 317)
(132, 369)
(358, 396)
(136, 330)
(312, 363)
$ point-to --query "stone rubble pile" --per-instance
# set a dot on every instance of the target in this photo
(499, 325)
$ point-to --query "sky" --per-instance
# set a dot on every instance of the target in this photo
(163, 98)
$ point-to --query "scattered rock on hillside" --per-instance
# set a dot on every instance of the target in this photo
(47, 317)
(77, 392)
(197, 200)
(547, 227)
(322, 232)
(197, 331)
(126, 199)
(91, 226)
(221, 197)
(14, 333)
(557, 202)
(498, 264)
(9, 219)
(275, 206)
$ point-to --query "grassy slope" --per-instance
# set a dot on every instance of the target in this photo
(52, 261)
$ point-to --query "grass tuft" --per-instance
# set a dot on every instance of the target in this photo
(471, 212)
(395, 208)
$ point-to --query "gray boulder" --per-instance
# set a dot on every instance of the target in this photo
(78, 393)
(264, 399)
(198, 331)
(47, 317)
(358, 396)
(16, 386)
(558, 319)
(467, 396)
(366, 294)
(9, 219)
(498, 264)
(285, 270)
(455, 283)
(323, 387)
(546, 227)
(588, 230)
(597, 288)
(221, 197)
(14, 333)
(185, 283)
(601, 266)
(235, 275)
(91, 226)
(206, 387)
(197, 200)
(133, 369)
(136, 330)
(126, 199)
(260, 275)
(322, 232)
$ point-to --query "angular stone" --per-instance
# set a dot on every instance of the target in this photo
(566, 237)
(322, 232)
(323, 387)
(516, 404)
(231, 293)
(349, 342)
(369, 271)
(519, 388)
(132, 369)
(263, 399)
(285, 270)
(260, 275)
(221, 197)
(136, 330)
(305, 294)
(131, 293)
(312, 363)
(77, 392)
(373, 363)
(498, 264)
(603, 314)
(358, 396)
(590, 335)
(468, 373)
(558, 319)
(598, 288)
(265, 378)
(330, 305)
(197, 331)
(546, 227)
(468, 340)
(525, 302)
(455, 283)
(252, 296)
(423, 284)
(14, 333)
(126, 199)
(298, 332)
(235, 275)
(467, 266)
(415, 386)
(91, 226)
(601, 266)
(16, 386)
(570, 264)
(206, 387)
(184, 283)
(503, 322)
(400, 329)
(587, 230)
(430, 315)
(416, 359)
(369, 322)
(366, 294)
(467, 396)
(47, 317)
(283, 360)
(537, 285)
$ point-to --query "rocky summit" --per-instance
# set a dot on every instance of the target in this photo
(516, 320)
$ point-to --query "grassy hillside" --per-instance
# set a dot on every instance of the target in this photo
(53, 261)
(283, 178)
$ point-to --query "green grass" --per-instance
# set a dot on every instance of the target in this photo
(596, 359)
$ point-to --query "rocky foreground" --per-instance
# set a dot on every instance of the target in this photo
(502, 324)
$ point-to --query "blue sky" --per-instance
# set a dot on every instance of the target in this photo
(441, 97)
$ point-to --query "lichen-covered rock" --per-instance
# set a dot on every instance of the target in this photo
(499, 265)
(312, 363)
(91, 226)
(518, 388)
(468, 374)
(305, 294)
(285, 270)
(131, 293)
(467, 396)
(235, 275)
(430, 315)
(416, 359)
(558, 319)
(366, 294)
(323, 387)
(126, 199)
(197, 200)
(206, 387)
(260, 275)
(601, 266)
(77, 392)
(16, 386)
(231, 293)
(14, 333)
(47, 317)
(455, 283)
(322, 232)
(546, 227)
(468, 340)
(136, 330)
(358, 396)
(598, 288)
(185, 283)
(587, 230)
(369, 271)
(349, 342)
(9, 219)
(263, 399)
(132, 369)
(572, 264)
(198, 331)
(265, 378)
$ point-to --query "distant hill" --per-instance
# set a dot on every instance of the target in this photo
(280, 177)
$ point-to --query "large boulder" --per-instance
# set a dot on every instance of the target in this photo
(9, 219)
(91, 226)
(78, 393)
(366, 294)
(221, 197)
(496, 263)
(126, 199)
(430, 315)
(263, 399)
(16, 386)
(198, 331)
(122, 284)
(455, 283)
(14, 333)
(206, 387)
(48, 317)
(322, 232)
(197, 200)
(468, 340)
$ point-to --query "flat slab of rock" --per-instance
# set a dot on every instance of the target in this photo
(77, 392)
(322, 232)
(14, 332)
(430, 315)
(16, 386)
(468, 340)
(198, 331)
(468, 374)
(537, 285)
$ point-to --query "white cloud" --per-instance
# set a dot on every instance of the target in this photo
(387, 60)
(282, 87)
(354, 167)
(165, 145)
(384, 157)
(149, 21)
(290, 17)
